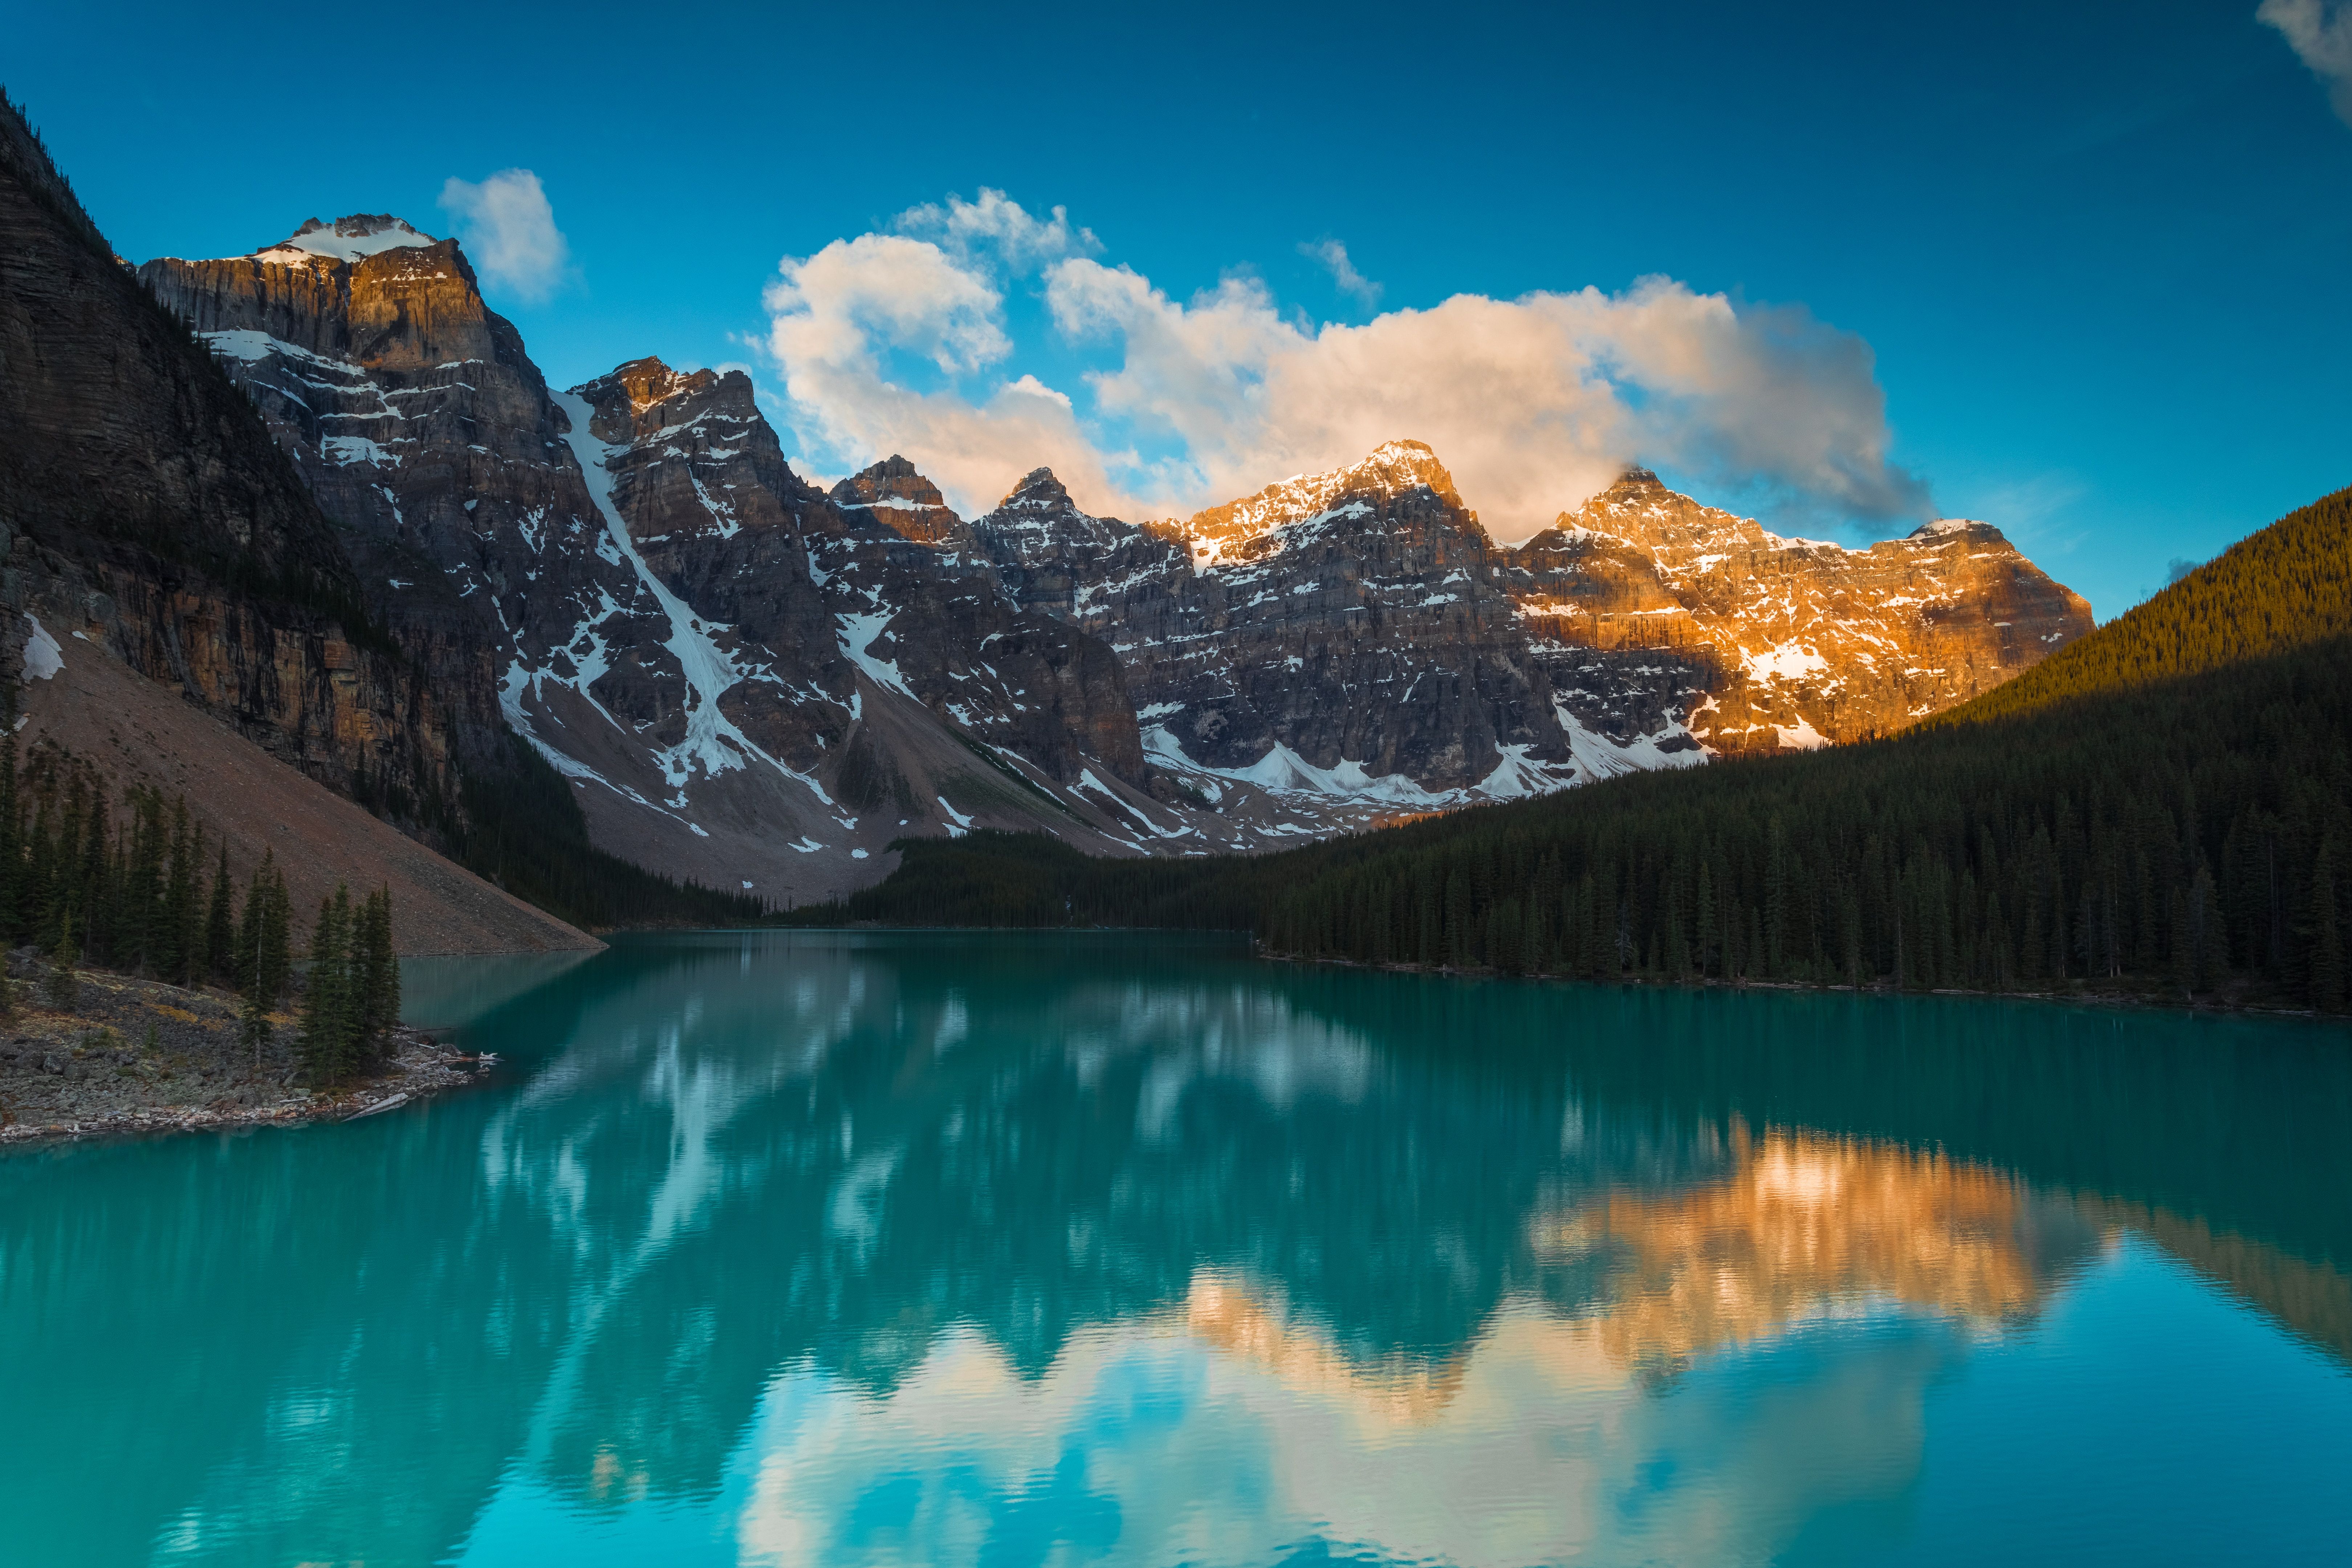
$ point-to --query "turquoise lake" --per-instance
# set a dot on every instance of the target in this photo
(937, 1249)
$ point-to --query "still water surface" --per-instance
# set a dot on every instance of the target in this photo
(819, 1248)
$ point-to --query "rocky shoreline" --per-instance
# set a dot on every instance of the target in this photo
(137, 1056)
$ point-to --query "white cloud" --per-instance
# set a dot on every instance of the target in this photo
(2321, 34)
(1334, 257)
(1527, 400)
(1533, 403)
(997, 221)
(832, 317)
(509, 232)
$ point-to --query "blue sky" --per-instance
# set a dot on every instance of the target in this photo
(2095, 256)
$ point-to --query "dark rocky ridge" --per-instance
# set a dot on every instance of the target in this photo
(1352, 619)
(1362, 622)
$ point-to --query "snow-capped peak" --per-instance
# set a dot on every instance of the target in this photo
(1391, 469)
(352, 239)
(1946, 525)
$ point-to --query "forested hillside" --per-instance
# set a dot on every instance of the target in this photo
(2164, 806)
(2282, 587)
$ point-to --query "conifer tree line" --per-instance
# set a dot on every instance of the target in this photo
(2187, 830)
(352, 996)
(142, 892)
(145, 893)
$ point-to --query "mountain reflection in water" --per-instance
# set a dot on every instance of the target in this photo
(947, 1248)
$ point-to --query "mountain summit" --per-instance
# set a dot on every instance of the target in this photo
(1392, 468)
(350, 238)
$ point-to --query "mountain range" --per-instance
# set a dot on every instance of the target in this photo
(406, 564)
(750, 680)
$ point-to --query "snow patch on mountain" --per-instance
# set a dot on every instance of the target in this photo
(713, 743)
(859, 632)
(347, 239)
(1600, 757)
(1787, 661)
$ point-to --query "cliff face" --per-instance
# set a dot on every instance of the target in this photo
(144, 505)
(1801, 643)
(1360, 627)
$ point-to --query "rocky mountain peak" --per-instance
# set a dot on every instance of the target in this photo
(892, 482)
(352, 239)
(1038, 490)
(1946, 529)
(1638, 508)
(899, 497)
(1393, 468)
(648, 380)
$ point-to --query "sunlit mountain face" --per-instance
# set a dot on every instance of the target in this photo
(869, 1248)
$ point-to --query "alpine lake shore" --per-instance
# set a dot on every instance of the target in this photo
(134, 1057)
(2127, 993)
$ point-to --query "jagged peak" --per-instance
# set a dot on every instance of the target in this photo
(1391, 468)
(352, 238)
(1402, 463)
(894, 483)
(648, 381)
(1945, 527)
(1038, 487)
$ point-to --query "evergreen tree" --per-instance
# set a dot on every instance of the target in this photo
(2326, 987)
(377, 970)
(182, 908)
(247, 962)
(264, 961)
(328, 1041)
(220, 923)
(273, 957)
(142, 888)
(98, 898)
(64, 988)
(179, 913)
(2210, 930)
(253, 1019)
